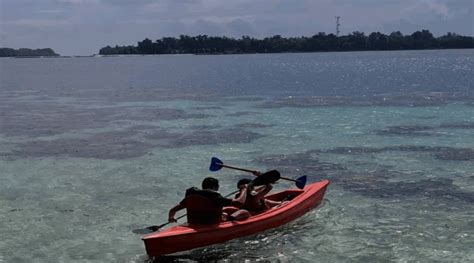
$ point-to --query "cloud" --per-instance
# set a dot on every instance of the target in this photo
(239, 27)
(37, 23)
(50, 11)
(71, 25)
(438, 16)
(127, 3)
(207, 27)
(428, 8)
(78, 2)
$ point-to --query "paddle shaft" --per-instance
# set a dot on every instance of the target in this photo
(165, 224)
(252, 171)
(236, 168)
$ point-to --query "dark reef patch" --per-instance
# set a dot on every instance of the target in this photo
(463, 125)
(200, 137)
(144, 128)
(415, 99)
(441, 153)
(150, 114)
(205, 127)
(302, 102)
(407, 130)
(242, 113)
(207, 108)
(427, 117)
(160, 134)
(351, 150)
(253, 125)
(455, 154)
(301, 163)
(29, 119)
(33, 118)
(239, 99)
(374, 183)
(421, 130)
(130, 143)
(111, 145)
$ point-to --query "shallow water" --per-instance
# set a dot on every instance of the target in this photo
(93, 148)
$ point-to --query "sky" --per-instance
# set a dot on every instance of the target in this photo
(82, 27)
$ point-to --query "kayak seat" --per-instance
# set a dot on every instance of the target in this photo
(202, 210)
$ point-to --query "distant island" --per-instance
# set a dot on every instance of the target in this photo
(321, 42)
(26, 52)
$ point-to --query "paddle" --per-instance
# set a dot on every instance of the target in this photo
(151, 229)
(217, 164)
(155, 228)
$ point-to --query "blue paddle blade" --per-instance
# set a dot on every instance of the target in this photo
(301, 182)
(216, 164)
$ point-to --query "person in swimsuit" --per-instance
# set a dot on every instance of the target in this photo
(256, 201)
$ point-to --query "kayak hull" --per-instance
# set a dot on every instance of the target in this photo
(185, 237)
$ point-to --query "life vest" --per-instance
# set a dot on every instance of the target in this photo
(202, 210)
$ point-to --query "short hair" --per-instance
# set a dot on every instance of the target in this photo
(243, 181)
(210, 183)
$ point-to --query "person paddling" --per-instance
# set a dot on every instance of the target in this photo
(206, 206)
(256, 201)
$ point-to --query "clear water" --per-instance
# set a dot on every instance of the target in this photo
(93, 148)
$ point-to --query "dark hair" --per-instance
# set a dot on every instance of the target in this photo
(243, 181)
(210, 183)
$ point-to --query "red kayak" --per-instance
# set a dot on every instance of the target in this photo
(185, 236)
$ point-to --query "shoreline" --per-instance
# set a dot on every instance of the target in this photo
(237, 53)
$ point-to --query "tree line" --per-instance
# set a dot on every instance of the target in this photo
(356, 41)
(26, 52)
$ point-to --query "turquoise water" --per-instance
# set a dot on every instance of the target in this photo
(93, 148)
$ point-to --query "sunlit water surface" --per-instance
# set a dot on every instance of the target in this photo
(93, 148)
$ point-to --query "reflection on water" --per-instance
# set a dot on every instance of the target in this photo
(92, 149)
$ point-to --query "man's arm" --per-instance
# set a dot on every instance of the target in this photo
(240, 201)
(173, 212)
(263, 190)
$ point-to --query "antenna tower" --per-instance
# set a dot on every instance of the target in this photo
(337, 25)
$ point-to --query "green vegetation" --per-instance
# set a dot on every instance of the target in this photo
(26, 52)
(357, 41)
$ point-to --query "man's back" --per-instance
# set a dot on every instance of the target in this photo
(204, 206)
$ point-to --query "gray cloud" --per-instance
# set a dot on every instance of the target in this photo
(240, 27)
(84, 26)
